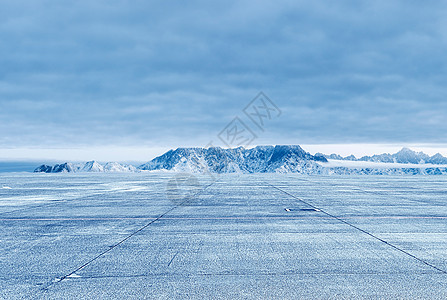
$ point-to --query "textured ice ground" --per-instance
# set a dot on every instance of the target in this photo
(244, 236)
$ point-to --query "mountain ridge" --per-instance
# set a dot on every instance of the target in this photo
(403, 156)
(260, 159)
(87, 167)
(263, 159)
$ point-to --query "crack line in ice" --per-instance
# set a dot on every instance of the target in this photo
(69, 275)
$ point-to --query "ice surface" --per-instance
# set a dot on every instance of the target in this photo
(284, 236)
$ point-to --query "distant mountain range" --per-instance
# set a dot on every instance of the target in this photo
(404, 156)
(90, 166)
(264, 159)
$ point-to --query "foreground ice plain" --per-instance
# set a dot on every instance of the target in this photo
(371, 236)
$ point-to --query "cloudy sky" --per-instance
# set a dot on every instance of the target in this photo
(151, 75)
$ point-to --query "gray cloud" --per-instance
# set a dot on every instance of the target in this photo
(89, 73)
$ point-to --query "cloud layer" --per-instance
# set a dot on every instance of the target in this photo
(175, 73)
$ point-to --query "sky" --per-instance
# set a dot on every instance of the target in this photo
(124, 80)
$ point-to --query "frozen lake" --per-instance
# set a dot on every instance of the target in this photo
(242, 236)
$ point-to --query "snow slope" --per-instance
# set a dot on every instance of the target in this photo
(90, 166)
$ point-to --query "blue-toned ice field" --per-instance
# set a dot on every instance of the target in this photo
(249, 236)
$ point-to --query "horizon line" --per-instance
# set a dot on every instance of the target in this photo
(138, 154)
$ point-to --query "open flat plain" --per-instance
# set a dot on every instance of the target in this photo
(235, 236)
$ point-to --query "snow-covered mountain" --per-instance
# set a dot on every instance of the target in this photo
(261, 159)
(90, 166)
(291, 159)
(270, 159)
(404, 156)
(111, 167)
